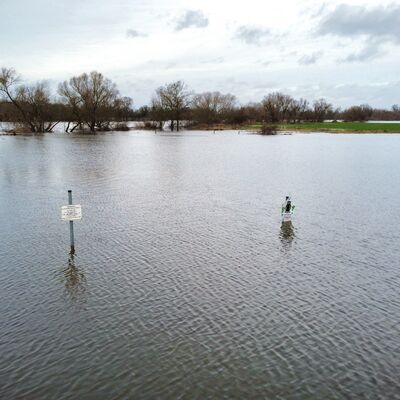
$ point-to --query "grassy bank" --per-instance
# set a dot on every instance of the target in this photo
(337, 127)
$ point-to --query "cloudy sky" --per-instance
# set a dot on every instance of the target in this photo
(345, 51)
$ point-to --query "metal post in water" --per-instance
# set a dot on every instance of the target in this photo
(71, 225)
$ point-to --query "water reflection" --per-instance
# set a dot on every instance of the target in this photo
(177, 271)
(75, 281)
(287, 234)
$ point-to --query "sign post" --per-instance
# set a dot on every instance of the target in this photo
(71, 225)
(71, 213)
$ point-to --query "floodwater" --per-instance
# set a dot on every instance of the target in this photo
(184, 284)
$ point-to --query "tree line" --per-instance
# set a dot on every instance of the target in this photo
(92, 102)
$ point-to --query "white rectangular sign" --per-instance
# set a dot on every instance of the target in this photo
(71, 213)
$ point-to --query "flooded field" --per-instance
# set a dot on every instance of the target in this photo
(184, 283)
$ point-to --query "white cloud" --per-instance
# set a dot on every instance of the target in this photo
(133, 33)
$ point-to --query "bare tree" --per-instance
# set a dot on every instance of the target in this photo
(321, 110)
(123, 108)
(248, 113)
(172, 101)
(211, 107)
(8, 84)
(276, 107)
(7, 111)
(143, 113)
(36, 102)
(358, 113)
(92, 99)
(32, 103)
(392, 114)
(298, 110)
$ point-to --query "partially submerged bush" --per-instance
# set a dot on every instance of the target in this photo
(18, 128)
(267, 129)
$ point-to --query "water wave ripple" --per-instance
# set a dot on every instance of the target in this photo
(185, 284)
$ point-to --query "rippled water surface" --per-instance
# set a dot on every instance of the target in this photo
(185, 285)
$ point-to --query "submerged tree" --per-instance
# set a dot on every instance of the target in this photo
(32, 104)
(171, 102)
(92, 100)
(158, 113)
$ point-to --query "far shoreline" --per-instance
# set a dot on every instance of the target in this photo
(239, 131)
(337, 128)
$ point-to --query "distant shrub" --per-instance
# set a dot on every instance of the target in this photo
(148, 125)
(103, 128)
(121, 127)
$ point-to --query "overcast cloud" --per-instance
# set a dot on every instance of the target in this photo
(252, 35)
(308, 59)
(345, 51)
(370, 51)
(132, 33)
(191, 19)
(375, 22)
